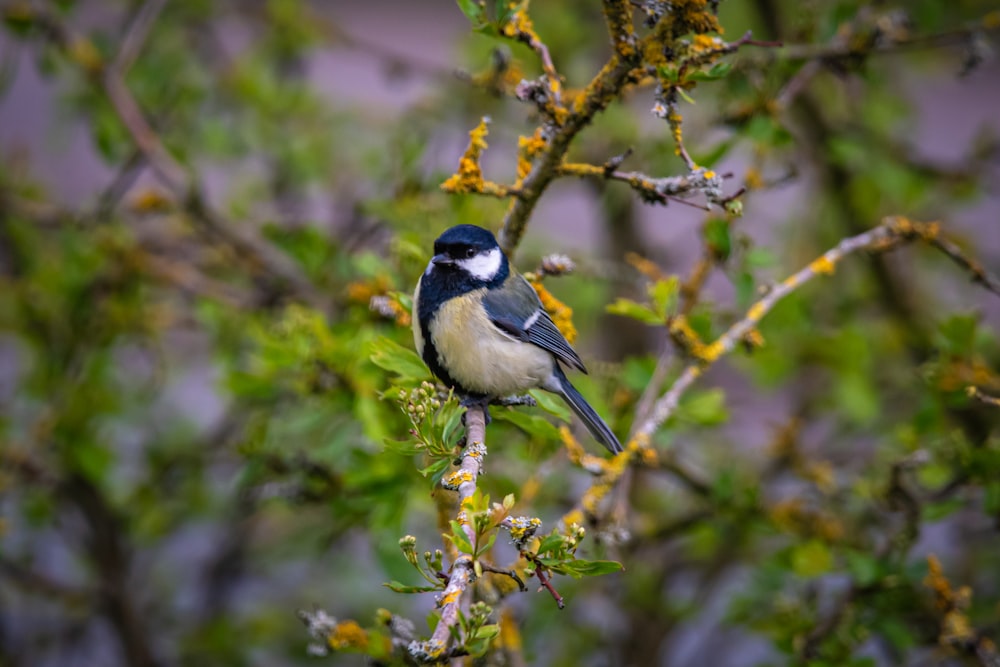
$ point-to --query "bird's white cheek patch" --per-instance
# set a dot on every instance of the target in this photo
(483, 266)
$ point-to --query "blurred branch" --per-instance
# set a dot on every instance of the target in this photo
(979, 274)
(135, 35)
(885, 236)
(901, 499)
(866, 35)
(956, 629)
(882, 41)
(37, 583)
(979, 395)
(109, 77)
(111, 559)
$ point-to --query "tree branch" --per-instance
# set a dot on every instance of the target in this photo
(885, 236)
(109, 78)
(463, 569)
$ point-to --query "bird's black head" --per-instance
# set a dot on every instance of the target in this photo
(466, 253)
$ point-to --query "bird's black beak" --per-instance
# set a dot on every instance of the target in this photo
(442, 259)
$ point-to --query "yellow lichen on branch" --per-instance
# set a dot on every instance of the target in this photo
(956, 628)
(822, 265)
(528, 148)
(561, 314)
(889, 234)
(348, 635)
(469, 176)
(619, 18)
(685, 338)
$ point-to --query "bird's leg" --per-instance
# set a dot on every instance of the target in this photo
(516, 400)
(477, 401)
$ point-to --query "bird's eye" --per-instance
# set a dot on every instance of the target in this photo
(470, 252)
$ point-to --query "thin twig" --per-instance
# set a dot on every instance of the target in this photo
(842, 50)
(546, 583)
(652, 190)
(977, 393)
(509, 573)
(979, 274)
(892, 231)
(135, 36)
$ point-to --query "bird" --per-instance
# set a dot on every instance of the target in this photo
(482, 330)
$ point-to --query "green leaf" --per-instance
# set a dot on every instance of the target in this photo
(436, 470)
(865, 568)
(664, 296)
(448, 433)
(473, 11)
(705, 408)
(459, 538)
(718, 239)
(506, 10)
(941, 510)
(935, 474)
(746, 288)
(534, 425)
(483, 548)
(712, 156)
(687, 98)
(581, 568)
(551, 404)
(668, 74)
(636, 311)
(957, 334)
(551, 543)
(397, 587)
(487, 631)
(717, 71)
(402, 447)
(391, 356)
(811, 559)
(593, 568)
(991, 499)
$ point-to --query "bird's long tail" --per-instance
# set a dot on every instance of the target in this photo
(597, 427)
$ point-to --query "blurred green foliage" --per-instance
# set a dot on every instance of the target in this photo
(192, 451)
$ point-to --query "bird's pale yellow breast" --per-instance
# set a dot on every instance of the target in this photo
(481, 357)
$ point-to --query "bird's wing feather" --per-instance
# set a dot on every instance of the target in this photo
(517, 311)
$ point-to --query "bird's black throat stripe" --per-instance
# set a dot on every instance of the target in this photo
(443, 283)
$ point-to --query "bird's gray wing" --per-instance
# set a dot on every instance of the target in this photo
(516, 310)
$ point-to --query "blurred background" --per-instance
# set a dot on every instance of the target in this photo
(191, 430)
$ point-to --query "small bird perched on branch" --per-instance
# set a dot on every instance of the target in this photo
(481, 328)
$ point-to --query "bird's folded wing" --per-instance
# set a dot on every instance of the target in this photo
(516, 311)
